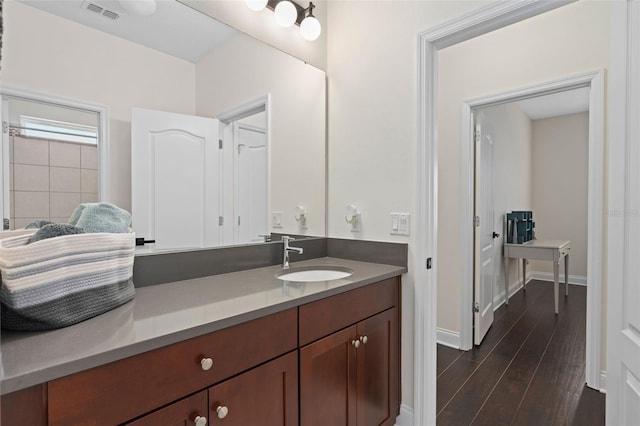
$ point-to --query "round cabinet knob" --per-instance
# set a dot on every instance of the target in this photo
(222, 411)
(356, 343)
(206, 363)
(200, 421)
(364, 339)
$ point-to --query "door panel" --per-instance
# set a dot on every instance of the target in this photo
(377, 374)
(484, 264)
(251, 183)
(328, 380)
(174, 179)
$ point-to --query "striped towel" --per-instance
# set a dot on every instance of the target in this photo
(60, 281)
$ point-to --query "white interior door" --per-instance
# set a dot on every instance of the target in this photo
(484, 262)
(251, 183)
(175, 182)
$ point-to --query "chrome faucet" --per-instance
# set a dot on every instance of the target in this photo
(285, 262)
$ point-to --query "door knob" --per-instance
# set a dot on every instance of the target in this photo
(222, 411)
(496, 235)
(364, 339)
(356, 343)
(206, 363)
(200, 421)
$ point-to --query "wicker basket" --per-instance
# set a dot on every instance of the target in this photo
(61, 281)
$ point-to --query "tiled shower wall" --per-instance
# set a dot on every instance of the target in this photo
(50, 178)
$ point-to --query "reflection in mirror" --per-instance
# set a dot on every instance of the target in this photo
(52, 159)
(201, 68)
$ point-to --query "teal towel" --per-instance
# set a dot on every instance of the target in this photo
(101, 217)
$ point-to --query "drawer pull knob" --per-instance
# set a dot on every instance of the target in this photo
(364, 339)
(200, 421)
(356, 343)
(206, 363)
(222, 411)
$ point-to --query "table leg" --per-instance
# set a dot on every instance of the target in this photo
(556, 285)
(506, 280)
(524, 274)
(566, 275)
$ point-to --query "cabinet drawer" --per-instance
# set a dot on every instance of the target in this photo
(184, 412)
(119, 391)
(321, 318)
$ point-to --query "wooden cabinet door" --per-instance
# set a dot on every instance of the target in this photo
(377, 370)
(266, 396)
(328, 380)
(182, 413)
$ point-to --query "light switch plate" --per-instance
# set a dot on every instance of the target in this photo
(400, 224)
(276, 219)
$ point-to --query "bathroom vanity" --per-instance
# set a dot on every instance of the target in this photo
(243, 348)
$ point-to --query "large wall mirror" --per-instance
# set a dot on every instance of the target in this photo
(65, 61)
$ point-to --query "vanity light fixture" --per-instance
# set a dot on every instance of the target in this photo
(288, 13)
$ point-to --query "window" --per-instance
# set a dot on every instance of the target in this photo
(58, 130)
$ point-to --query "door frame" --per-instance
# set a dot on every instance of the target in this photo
(595, 205)
(227, 118)
(103, 128)
(486, 19)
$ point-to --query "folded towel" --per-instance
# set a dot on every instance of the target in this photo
(52, 230)
(37, 224)
(101, 217)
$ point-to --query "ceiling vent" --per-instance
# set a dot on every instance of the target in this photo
(102, 11)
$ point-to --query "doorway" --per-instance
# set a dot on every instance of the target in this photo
(483, 21)
(594, 81)
(245, 143)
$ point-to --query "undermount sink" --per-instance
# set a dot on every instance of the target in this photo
(314, 273)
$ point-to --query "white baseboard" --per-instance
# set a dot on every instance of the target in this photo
(498, 299)
(448, 338)
(548, 276)
(406, 416)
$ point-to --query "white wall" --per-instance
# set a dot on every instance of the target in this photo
(54, 56)
(226, 80)
(512, 162)
(263, 26)
(373, 97)
(567, 41)
(560, 177)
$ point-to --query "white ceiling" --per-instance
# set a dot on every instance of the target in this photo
(174, 28)
(563, 103)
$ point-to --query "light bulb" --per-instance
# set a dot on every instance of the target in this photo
(286, 14)
(139, 7)
(310, 28)
(256, 5)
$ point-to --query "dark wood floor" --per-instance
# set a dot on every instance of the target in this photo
(529, 369)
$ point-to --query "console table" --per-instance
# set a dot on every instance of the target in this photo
(552, 250)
